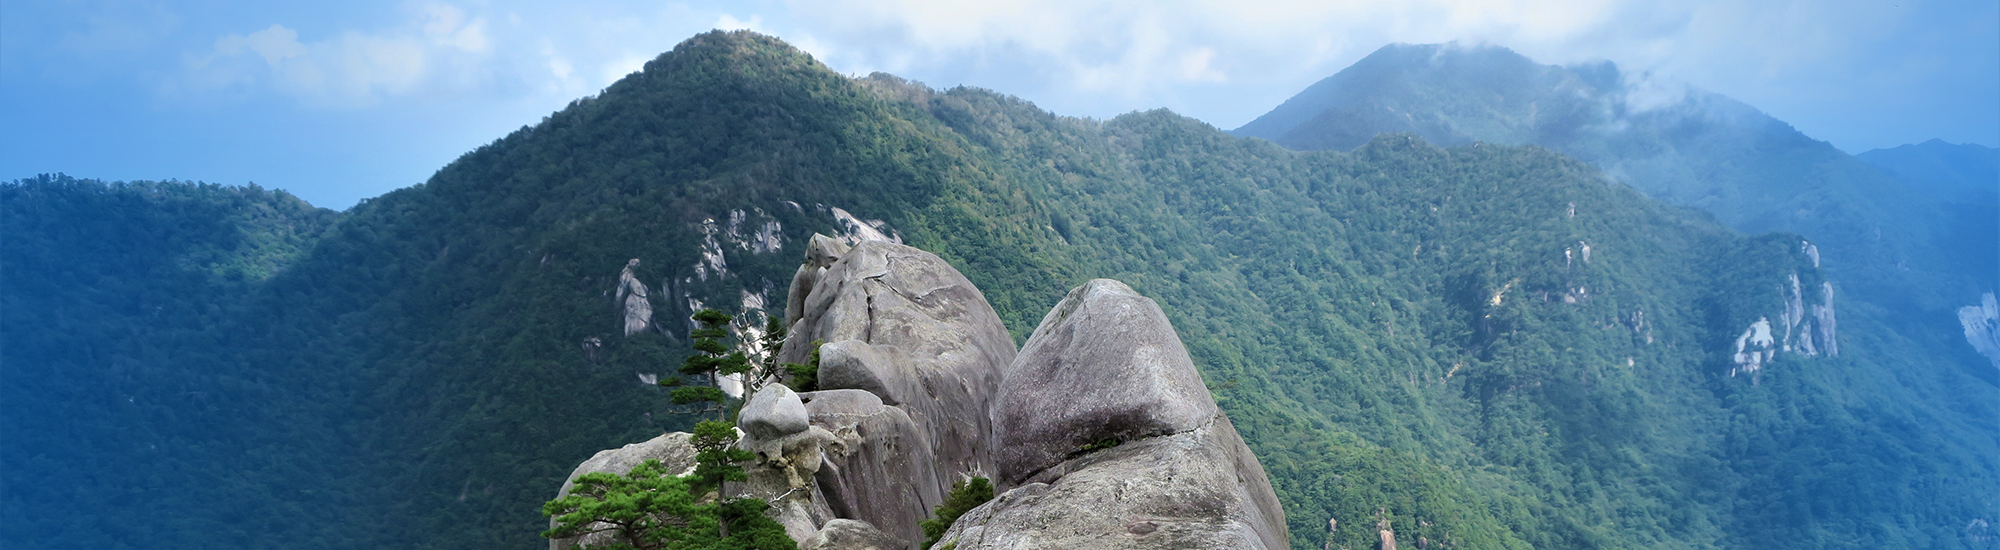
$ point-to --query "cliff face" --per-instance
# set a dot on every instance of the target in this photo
(1101, 435)
(1805, 324)
(1982, 327)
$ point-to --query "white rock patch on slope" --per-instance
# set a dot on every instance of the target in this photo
(1754, 348)
(638, 311)
(858, 230)
(1982, 327)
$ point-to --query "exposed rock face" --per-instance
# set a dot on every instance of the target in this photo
(1754, 348)
(1809, 330)
(632, 302)
(672, 450)
(847, 534)
(788, 452)
(1804, 327)
(1823, 320)
(1982, 327)
(1101, 433)
(858, 230)
(821, 252)
(1196, 489)
(879, 467)
(773, 412)
(943, 345)
(1104, 366)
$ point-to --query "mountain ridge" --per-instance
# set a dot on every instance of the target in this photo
(1901, 242)
(1404, 333)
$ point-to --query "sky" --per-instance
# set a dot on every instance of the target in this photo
(341, 101)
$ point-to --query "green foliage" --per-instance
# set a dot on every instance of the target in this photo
(1393, 330)
(715, 458)
(806, 377)
(648, 508)
(710, 361)
(965, 495)
(1099, 445)
(1894, 241)
(764, 365)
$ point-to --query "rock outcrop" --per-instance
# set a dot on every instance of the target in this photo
(902, 323)
(1109, 440)
(821, 252)
(634, 307)
(789, 450)
(1754, 348)
(879, 467)
(1100, 433)
(1806, 325)
(1103, 367)
(847, 534)
(1982, 327)
(672, 450)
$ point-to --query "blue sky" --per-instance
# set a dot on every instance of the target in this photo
(339, 101)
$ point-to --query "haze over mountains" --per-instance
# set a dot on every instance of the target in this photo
(1914, 232)
(1953, 167)
(1485, 345)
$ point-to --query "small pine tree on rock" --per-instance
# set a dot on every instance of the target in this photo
(711, 361)
(648, 509)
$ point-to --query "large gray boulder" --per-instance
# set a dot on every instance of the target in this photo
(789, 450)
(922, 335)
(879, 467)
(1195, 489)
(1105, 437)
(1104, 365)
(847, 534)
(672, 450)
(773, 412)
(821, 252)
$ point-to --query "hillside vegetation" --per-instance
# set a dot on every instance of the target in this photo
(1407, 335)
(1918, 246)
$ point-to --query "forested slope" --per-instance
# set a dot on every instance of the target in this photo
(1916, 248)
(1407, 335)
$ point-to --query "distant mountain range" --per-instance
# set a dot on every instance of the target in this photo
(1948, 166)
(1911, 229)
(1446, 332)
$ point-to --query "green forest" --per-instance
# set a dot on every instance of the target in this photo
(1403, 333)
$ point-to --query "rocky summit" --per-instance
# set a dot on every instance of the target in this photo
(1101, 433)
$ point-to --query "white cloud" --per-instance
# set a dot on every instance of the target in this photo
(447, 25)
(730, 23)
(1195, 67)
(619, 68)
(440, 46)
(274, 44)
(1224, 61)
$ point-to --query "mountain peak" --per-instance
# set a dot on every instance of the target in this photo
(1940, 164)
(723, 55)
(1430, 71)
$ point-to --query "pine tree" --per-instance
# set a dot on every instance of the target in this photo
(648, 509)
(764, 366)
(711, 361)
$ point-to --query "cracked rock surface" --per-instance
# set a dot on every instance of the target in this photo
(1104, 365)
(1196, 489)
(903, 324)
(878, 468)
(1106, 437)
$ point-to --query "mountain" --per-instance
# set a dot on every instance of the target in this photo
(1480, 346)
(1944, 165)
(1886, 239)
